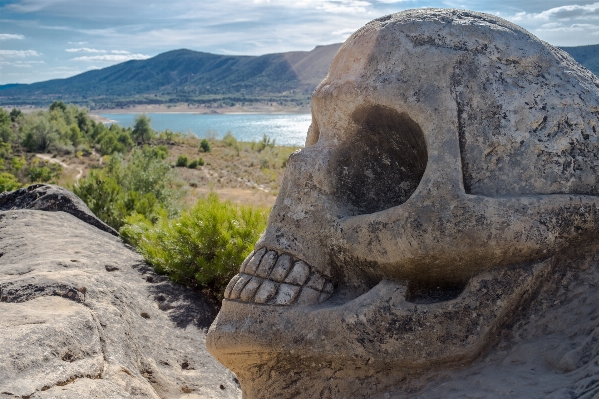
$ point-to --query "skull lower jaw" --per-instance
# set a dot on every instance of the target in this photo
(355, 343)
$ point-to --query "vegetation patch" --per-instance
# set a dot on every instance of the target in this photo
(204, 246)
(129, 178)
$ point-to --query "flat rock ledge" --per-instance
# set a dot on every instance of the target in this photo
(82, 316)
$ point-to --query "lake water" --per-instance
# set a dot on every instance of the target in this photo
(288, 129)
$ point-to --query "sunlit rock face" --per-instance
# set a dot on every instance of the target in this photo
(82, 316)
(449, 171)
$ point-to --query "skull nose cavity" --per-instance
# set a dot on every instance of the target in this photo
(380, 164)
(269, 278)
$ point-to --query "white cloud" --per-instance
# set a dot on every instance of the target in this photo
(17, 63)
(566, 25)
(120, 52)
(78, 43)
(84, 50)
(570, 28)
(112, 57)
(19, 53)
(567, 12)
(8, 36)
(333, 6)
(25, 6)
(571, 11)
(343, 32)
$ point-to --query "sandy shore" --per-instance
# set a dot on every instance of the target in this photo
(200, 109)
(180, 109)
(100, 119)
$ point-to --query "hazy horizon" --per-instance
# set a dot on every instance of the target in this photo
(49, 39)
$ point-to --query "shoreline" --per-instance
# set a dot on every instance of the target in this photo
(202, 110)
(182, 109)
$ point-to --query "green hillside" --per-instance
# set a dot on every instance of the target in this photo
(588, 56)
(185, 76)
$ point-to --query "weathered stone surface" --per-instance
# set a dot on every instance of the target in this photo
(450, 168)
(48, 197)
(82, 316)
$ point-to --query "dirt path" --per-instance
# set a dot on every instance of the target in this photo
(49, 158)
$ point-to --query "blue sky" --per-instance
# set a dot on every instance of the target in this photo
(48, 39)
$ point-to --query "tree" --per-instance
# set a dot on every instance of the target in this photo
(15, 114)
(58, 105)
(142, 129)
(38, 133)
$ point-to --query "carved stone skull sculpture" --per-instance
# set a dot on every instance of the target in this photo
(451, 155)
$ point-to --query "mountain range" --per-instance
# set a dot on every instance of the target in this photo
(186, 76)
(202, 78)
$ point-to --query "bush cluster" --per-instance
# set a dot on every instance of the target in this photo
(183, 161)
(204, 246)
(136, 191)
(140, 184)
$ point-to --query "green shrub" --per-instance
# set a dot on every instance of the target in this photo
(182, 161)
(204, 246)
(201, 161)
(141, 184)
(265, 142)
(160, 151)
(229, 140)
(5, 151)
(18, 163)
(8, 182)
(109, 143)
(205, 146)
(193, 164)
(43, 172)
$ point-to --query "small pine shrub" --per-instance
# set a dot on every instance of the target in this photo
(201, 161)
(193, 164)
(204, 246)
(205, 146)
(182, 161)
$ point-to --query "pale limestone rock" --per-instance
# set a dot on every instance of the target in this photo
(82, 317)
(450, 169)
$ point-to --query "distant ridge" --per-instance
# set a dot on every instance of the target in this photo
(186, 76)
(203, 78)
(587, 56)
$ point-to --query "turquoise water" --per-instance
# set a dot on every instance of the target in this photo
(288, 129)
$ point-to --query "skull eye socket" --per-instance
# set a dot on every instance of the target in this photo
(380, 164)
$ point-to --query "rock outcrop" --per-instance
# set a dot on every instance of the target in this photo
(48, 197)
(82, 316)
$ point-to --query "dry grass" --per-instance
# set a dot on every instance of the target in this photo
(245, 173)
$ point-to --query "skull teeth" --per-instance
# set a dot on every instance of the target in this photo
(268, 278)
